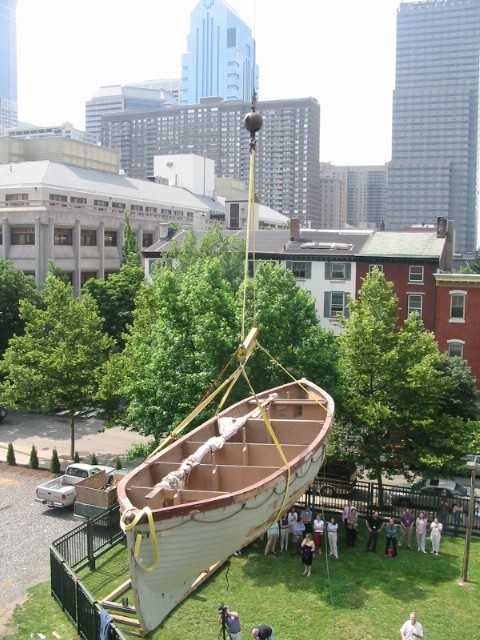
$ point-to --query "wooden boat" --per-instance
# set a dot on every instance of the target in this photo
(216, 489)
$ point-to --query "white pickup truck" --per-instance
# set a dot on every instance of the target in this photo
(60, 492)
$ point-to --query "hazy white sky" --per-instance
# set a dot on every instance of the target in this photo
(341, 52)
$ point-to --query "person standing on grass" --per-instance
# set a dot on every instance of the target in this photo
(352, 525)
(306, 517)
(457, 516)
(347, 509)
(406, 527)
(272, 539)
(374, 525)
(308, 547)
(298, 530)
(292, 517)
(332, 529)
(421, 531)
(391, 537)
(284, 532)
(436, 535)
(318, 531)
(411, 629)
(232, 622)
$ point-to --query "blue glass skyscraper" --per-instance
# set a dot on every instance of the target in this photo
(435, 132)
(220, 61)
(8, 63)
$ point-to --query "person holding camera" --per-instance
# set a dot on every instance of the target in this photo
(231, 620)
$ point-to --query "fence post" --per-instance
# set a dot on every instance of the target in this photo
(90, 552)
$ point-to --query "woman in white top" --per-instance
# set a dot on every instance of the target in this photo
(332, 529)
(318, 529)
(292, 517)
(436, 535)
(421, 530)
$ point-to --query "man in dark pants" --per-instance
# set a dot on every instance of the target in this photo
(262, 632)
(374, 525)
(232, 622)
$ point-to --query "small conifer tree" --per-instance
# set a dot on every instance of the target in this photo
(34, 464)
(55, 462)
(94, 459)
(118, 464)
(76, 457)
(11, 455)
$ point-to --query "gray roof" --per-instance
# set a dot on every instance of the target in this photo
(99, 183)
(402, 244)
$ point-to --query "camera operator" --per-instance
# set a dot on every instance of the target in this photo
(231, 620)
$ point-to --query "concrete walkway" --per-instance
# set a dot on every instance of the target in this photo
(24, 429)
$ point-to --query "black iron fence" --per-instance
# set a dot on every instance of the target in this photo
(74, 551)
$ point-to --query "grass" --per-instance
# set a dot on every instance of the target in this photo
(362, 595)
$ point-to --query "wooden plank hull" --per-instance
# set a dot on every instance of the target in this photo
(193, 534)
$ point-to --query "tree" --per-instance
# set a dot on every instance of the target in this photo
(391, 382)
(14, 286)
(461, 400)
(34, 463)
(115, 298)
(187, 326)
(58, 359)
(130, 250)
(55, 462)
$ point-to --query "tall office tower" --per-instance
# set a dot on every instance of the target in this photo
(365, 192)
(114, 98)
(8, 64)
(287, 173)
(435, 129)
(220, 61)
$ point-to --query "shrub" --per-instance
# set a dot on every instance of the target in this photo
(11, 455)
(34, 464)
(94, 459)
(76, 457)
(55, 462)
(118, 463)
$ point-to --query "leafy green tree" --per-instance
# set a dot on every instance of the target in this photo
(58, 360)
(130, 250)
(461, 399)
(14, 286)
(392, 384)
(115, 298)
(187, 326)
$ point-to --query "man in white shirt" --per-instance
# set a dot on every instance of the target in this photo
(412, 629)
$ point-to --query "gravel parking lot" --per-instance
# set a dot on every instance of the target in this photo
(26, 530)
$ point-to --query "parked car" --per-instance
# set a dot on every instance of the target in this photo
(3, 413)
(428, 494)
(470, 458)
(335, 478)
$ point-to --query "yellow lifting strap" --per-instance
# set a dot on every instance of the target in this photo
(138, 540)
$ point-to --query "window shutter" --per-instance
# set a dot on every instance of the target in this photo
(346, 313)
(328, 270)
(326, 304)
(348, 271)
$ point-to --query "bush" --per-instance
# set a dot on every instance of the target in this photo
(76, 457)
(34, 464)
(55, 462)
(11, 455)
(118, 463)
(94, 459)
(140, 450)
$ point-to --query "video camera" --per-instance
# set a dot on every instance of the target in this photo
(223, 609)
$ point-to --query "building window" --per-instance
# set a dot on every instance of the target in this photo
(118, 205)
(88, 238)
(63, 236)
(56, 197)
(371, 267)
(151, 209)
(110, 239)
(455, 348)
(136, 207)
(415, 274)
(415, 305)
(338, 270)
(16, 198)
(457, 307)
(335, 304)
(66, 277)
(22, 235)
(167, 212)
(76, 200)
(87, 275)
(301, 270)
(100, 203)
(147, 240)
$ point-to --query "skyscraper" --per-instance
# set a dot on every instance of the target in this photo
(220, 61)
(8, 63)
(435, 132)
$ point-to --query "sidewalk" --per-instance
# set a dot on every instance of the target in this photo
(24, 429)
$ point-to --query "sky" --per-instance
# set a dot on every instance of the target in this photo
(341, 52)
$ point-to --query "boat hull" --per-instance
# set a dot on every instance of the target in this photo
(194, 537)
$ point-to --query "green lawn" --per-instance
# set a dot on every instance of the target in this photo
(360, 596)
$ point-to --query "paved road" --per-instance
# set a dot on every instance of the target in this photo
(28, 527)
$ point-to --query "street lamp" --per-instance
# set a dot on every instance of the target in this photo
(473, 466)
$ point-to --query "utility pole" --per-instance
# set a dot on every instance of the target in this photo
(471, 507)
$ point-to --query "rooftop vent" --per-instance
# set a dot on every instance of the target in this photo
(329, 246)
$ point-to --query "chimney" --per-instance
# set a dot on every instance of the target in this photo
(295, 229)
(441, 227)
